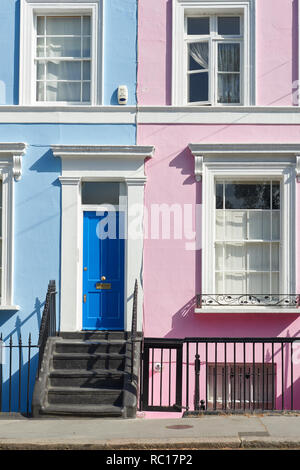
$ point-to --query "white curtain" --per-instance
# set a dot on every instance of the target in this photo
(63, 37)
(229, 57)
(199, 52)
(229, 83)
(247, 266)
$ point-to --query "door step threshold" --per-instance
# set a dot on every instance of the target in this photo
(112, 334)
(87, 373)
(82, 410)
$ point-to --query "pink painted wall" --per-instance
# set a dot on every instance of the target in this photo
(276, 52)
(172, 275)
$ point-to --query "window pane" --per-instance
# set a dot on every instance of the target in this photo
(228, 57)
(40, 25)
(220, 289)
(86, 70)
(259, 225)
(100, 193)
(198, 87)
(236, 225)
(235, 283)
(86, 47)
(198, 26)
(40, 70)
(247, 195)
(275, 283)
(86, 92)
(61, 91)
(235, 257)
(63, 25)
(40, 95)
(219, 256)
(198, 56)
(63, 47)
(228, 25)
(86, 24)
(258, 255)
(220, 225)
(219, 196)
(276, 226)
(259, 283)
(63, 70)
(275, 256)
(275, 195)
(40, 50)
(228, 88)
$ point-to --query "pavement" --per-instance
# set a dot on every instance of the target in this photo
(204, 432)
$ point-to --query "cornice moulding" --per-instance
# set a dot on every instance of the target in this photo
(201, 151)
(249, 148)
(103, 151)
(12, 148)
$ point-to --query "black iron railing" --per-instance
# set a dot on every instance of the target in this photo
(19, 361)
(228, 374)
(134, 329)
(48, 323)
(257, 300)
(16, 374)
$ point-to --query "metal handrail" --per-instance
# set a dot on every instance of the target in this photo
(48, 323)
(134, 328)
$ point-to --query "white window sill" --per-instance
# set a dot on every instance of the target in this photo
(14, 308)
(238, 310)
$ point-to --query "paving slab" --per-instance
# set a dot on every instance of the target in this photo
(231, 431)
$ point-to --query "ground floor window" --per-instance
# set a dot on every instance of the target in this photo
(247, 237)
(241, 385)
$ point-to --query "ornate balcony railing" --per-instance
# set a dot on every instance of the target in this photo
(256, 300)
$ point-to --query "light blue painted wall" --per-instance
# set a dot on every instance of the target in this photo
(37, 224)
(38, 194)
(120, 28)
(37, 211)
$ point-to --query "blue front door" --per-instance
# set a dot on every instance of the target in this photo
(103, 273)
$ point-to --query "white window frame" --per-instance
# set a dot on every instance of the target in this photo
(214, 40)
(247, 162)
(187, 8)
(30, 9)
(10, 170)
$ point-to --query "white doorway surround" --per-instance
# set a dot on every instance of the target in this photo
(124, 164)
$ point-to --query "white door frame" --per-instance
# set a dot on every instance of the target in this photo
(99, 163)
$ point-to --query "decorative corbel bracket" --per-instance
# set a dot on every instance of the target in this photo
(198, 167)
(11, 157)
(298, 168)
(17, 167)
(198, 159)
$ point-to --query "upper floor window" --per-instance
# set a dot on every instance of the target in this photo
(213, 53)
(63, 59)
(60, 53)
(214, 59)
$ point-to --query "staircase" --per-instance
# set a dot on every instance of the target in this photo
(87, 374)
